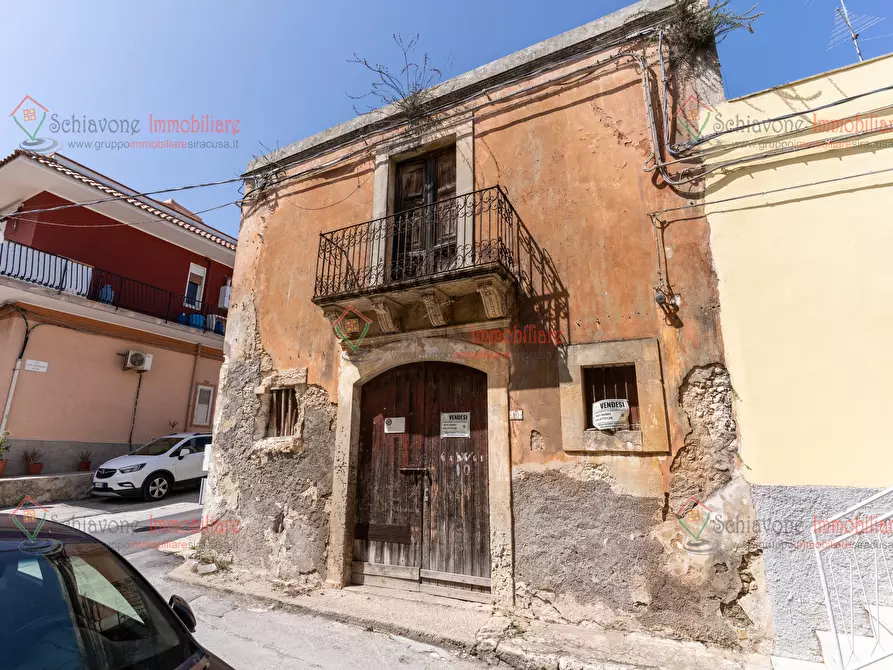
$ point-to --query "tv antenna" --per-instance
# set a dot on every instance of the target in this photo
(848, 27)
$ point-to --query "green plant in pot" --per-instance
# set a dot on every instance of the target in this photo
(4, 439)
(84, 458)
(33, 460)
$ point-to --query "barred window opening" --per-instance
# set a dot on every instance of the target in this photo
(612, 382)
(283, 413)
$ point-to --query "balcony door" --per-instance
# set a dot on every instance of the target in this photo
(426, 212)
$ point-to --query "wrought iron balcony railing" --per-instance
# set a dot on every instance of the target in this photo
(475, 231)
(65, 275)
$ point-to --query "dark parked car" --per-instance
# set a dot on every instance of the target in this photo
(67, 601)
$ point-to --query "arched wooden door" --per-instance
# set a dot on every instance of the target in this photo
(422, 519)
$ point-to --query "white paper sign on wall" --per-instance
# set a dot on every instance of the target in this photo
(455, 424)
(395, 424)
(36, 366)
(611, 414)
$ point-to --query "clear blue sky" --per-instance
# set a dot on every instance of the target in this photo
(280, 67)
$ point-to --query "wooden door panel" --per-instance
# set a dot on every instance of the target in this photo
(457, 536)
(388, 526)
(445, 533)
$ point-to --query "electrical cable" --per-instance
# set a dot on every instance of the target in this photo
(117, 224)
(706, 138)
(725, 148)
(640, 61)
(395, 123)
(723, 201)
(124, 196)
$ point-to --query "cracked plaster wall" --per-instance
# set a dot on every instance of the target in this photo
(614, 555)
(277, 488)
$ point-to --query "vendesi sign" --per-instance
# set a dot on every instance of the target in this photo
(611, 414)
(455, 424)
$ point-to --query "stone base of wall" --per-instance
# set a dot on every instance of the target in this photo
(61, 455)
(786, 515)
(275, 492)
(590, 553)
(45, 488)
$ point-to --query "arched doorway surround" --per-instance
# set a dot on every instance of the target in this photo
(352, 375)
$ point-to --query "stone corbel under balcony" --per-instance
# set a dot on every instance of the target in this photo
(387, 312)
(431, 308)
(437, 305)
(493, 297)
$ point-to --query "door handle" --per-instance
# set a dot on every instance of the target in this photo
(427, 495)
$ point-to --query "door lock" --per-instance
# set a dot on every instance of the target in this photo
(427, 495)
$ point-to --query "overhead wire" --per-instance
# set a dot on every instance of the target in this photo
(659, 162)
(722, 201)
(125, 196)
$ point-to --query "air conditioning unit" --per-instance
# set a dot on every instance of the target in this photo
(138, 360)
(225, 293)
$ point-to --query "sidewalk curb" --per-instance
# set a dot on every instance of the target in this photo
(304, 605)
(477, 631)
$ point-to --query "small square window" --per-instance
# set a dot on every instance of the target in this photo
(611, 382)
(283, 413)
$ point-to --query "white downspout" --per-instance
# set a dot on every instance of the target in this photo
(12, 390)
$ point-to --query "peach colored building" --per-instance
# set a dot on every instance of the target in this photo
(83, 287)
(367, 433)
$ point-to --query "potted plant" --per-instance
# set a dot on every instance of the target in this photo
(84, 458)
(4, 438)
(32, 460)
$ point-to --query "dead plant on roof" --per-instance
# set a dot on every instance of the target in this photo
(409, 89)
(696, 25)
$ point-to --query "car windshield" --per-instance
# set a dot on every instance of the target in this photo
(80, 606)
(157, 447)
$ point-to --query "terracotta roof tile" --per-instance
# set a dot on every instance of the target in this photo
(49, 161)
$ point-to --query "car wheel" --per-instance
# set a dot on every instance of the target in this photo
(156, 486)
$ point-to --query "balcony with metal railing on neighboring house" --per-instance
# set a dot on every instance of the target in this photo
(64, 275)
(439, 256)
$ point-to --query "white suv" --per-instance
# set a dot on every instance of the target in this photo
(155, 468)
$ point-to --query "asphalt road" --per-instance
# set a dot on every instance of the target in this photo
(247, 633)
(250, 634)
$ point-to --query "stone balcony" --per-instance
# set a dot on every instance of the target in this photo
(454, 264)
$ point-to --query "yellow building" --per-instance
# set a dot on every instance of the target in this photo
(799, 200)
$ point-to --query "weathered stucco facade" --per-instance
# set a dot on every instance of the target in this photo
(582, 522)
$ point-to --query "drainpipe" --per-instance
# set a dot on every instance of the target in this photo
(136, 402)
(198, 353)
(16, 369)
(12, 390)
